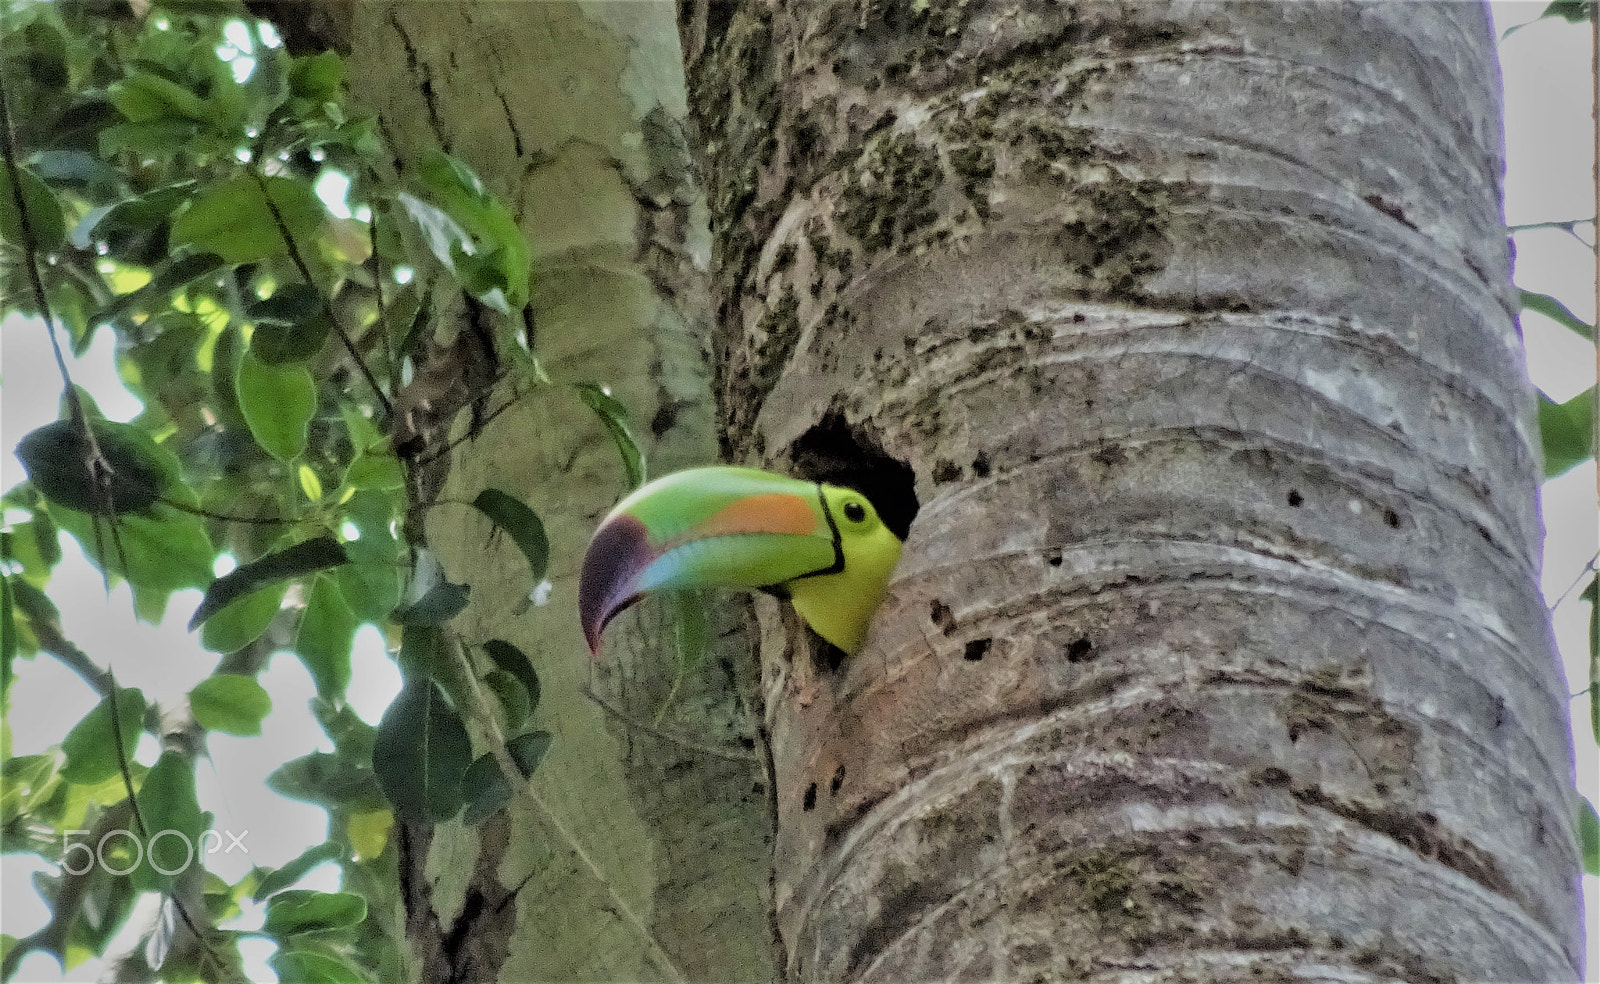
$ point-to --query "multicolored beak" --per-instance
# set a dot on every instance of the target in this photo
(706, 527)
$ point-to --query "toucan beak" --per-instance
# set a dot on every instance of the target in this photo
(705, 527)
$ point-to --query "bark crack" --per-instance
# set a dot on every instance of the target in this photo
(755, 707)
(511, 120)
(416, 67)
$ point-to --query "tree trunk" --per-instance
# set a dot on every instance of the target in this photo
(1215, 650)
(649, 856)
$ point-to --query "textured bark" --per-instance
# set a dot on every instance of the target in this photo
(572, 113)
(1215, 651)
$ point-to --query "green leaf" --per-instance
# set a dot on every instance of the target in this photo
(328, 780)
(327, 629)
(1571, 11)
(300, 910)
(234, 220)
(511, 659)
(278, 403)
(421, 321)
(373, 513)
(303, 558)
(91, 753)
(241, 621)
(154, 138)
(529, 749)
(114, 899)
(438, 605)
(137, 471)
(281, 878)
(420, 650)
(77, 168)
(158, 553)
(29, 781)
(74, 304)
(168, 277)
(1589, 834)
(521, 524)
(310, 484)
(160, 366)
(422, 754)
(142, 212)
(511, 695)
(1556, 311)
(364, 434)
(352, 736)
(470, 231)
(485, 788)
(223, 368)
(44, 212)
(303, 966)
(33, 604)
(1567, 431)
(33, 544)
(615, 418)
(691, 628)
(380, 472)
(371, 590)
(317, 77)
(172, 820)
(230, 703)
(144, 97)
(8, 634)
(290, 326)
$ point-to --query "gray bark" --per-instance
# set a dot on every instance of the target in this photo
(1215, 650)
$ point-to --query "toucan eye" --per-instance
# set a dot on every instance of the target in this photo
(854, 511)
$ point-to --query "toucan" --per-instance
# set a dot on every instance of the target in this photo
(822, 546)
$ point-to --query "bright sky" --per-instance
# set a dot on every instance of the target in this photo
(1549, 146)
(1549, 177)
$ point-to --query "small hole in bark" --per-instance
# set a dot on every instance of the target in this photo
(838, 780)
(1273, 776)
(942, 617)
(976, 650)
(1295, 498)
(1079, 650)
(718, 15)
(1055, 558)
(980, 466)
(841, 453)
(664, 419)
(1392, 518)
(810, 802)
(824, 654)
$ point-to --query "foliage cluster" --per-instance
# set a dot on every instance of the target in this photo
(172, 174)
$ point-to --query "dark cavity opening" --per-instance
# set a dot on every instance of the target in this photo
(838, 452)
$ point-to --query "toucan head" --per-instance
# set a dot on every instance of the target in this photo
(822, 546)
